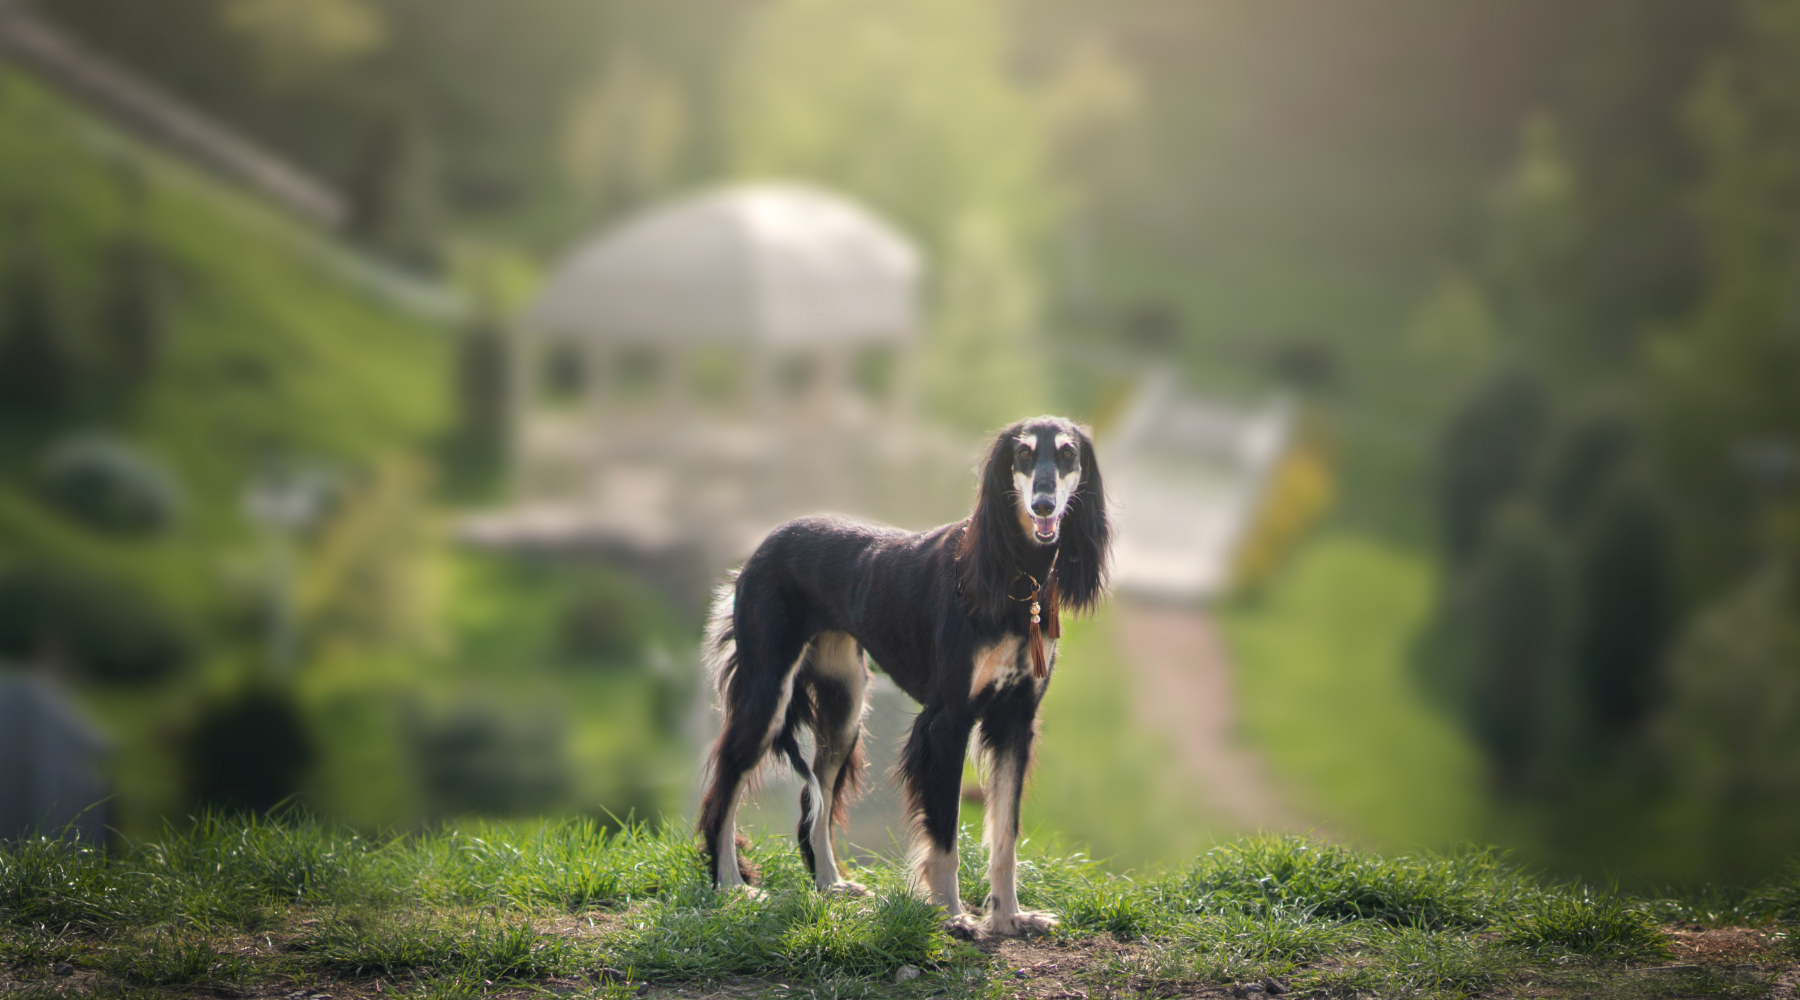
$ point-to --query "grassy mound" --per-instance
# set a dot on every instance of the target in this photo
(291, 907)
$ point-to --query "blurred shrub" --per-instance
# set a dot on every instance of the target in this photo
(1580, 459)
(1487, 455)
(112, 632)
(109, 485)
(248, 752)
(365, 580)
(1299, 491)
(1515, 607)
(1624, 594)
(613, 618)
(1731, 726)
(1452, 336)
(477, 761)
(1561, 579)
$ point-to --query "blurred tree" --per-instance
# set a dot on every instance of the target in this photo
(1516, 610)
(132, 321)
(625, 133)
(1453, 335)
(393, 193)
(1730, 378)
(1730, 728)
(298, 40)
(910, 106)
(39, 365)
(1487, 455)
(905, 104)
(483, 415)
(1533, 237)
(983, 363)
(110, 631)
(1581, 459)
(1625, 596)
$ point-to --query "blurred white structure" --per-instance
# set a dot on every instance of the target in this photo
(1185, 476)
(711, 367)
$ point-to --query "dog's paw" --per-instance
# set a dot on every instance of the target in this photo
(1025, 923)
(846, 888)
(749, 891)
(965, 927)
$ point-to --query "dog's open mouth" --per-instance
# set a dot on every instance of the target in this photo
(1044, 528)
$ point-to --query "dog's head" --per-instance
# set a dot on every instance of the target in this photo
(1046, 462)
(1040, 490)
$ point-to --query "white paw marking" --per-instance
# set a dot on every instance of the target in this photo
(1025, 923)
(964, 926)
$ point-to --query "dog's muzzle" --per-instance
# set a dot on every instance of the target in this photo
(1044, 519)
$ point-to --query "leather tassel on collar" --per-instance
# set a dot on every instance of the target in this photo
(1043, 605)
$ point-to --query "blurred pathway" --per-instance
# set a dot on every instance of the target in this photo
(1185, 691)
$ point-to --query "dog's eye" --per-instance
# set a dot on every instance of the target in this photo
(1024, 453)
(1066, 453)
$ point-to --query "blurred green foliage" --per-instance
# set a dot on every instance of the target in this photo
(1529, 263)
(109, 485)
(270, 345)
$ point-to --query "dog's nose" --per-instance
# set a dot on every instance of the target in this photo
(1042, 506)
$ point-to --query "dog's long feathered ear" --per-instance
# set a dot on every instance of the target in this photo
(1086, 536)
(982, 556)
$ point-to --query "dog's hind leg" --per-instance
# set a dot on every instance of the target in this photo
(933, 766)
(839, 678)
(756, 676)
(1008, 726)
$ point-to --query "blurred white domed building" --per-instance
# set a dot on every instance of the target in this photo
(702, 371)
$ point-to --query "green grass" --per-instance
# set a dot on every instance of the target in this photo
(1327, 698)
(261, 906)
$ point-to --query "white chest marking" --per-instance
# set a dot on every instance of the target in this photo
(996, 665)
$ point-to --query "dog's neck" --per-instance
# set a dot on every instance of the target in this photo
(1037, 561)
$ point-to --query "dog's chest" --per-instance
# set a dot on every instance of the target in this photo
(1004, 663)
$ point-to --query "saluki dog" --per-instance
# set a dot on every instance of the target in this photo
(963, 618)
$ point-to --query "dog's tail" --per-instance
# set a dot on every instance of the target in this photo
(719, 648)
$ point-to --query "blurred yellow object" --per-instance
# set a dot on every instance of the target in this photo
(1299, 491)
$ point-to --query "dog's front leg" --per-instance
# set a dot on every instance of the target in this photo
(933, 767)
(1007, 732)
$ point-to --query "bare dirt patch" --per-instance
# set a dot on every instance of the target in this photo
(1048, 970)
(1722, 945)
(1185, 691)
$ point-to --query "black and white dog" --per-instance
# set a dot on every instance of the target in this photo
(962, 617)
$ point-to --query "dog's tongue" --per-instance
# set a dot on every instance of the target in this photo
(1046, 526)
